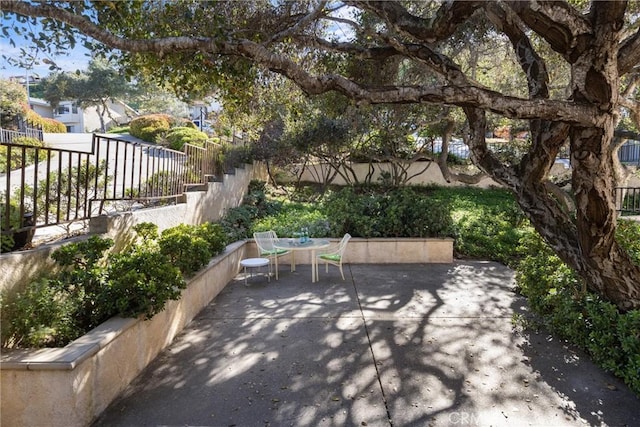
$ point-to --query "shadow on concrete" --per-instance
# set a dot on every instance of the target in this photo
(393, 345)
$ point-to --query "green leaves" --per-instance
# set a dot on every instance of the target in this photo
(558, 301)
(95, 285)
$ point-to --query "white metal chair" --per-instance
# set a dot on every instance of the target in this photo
(264, 241)
(334, 255)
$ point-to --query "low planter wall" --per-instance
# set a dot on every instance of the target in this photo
(71, 386)
(385, 251)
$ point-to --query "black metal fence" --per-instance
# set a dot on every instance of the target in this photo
(628, 200)
(43, 186)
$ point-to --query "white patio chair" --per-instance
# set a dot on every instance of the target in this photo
(264, 241)
(334, 255)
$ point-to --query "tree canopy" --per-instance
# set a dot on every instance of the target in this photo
(94, 87)
(576, 77)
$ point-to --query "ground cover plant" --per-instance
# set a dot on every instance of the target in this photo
(486, 224)
(561, 303)
(94, 284)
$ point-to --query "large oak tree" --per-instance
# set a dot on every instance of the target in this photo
(197, 44)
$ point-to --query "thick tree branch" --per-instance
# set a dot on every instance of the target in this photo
(558, 23)
(451, 95)
(441, 26)
(629, 54)
(362, 52)
(531, 63)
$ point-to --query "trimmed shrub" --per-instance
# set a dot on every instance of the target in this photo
(403, 212)
(186, 247)
(150, 127)
(142, 281)
(38, 316)
(177, 137)
(94, 286)
(238, 222)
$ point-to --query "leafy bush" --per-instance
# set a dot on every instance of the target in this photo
(237, 222)
(628, 236)
(150, 127)
(562, 304)
(257, 197)
(94, 286)
(142, 281)
(84, 281)
(13, 102)
(119, 129)
(404, 212)
(292, 218)
(214, 235)
(188, 247)
(177, 137)
(38, 316)
(234, 156)
(48, 125)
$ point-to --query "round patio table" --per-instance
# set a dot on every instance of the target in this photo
(294, 245)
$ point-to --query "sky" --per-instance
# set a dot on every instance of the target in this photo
(76, 59)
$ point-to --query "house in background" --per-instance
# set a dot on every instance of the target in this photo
(201, 114)
(79, 120)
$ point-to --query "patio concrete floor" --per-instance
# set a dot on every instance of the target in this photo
(393, 345)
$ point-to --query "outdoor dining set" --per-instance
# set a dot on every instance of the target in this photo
(270, 248)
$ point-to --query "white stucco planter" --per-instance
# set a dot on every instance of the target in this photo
(71, 386)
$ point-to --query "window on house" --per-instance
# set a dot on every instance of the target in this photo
(66, 109)
(63, 109)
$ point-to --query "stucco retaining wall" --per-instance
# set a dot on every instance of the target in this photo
(70, 386)
(382, 251)
(18, 268)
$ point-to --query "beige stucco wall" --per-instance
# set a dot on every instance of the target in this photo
(382, 251)
(430, 176)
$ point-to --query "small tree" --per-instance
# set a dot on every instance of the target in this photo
(13, 102)
(95, 87)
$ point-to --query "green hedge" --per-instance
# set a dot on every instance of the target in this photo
(403, 212)
(48, 125)
(94, 285)
(178, 136)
